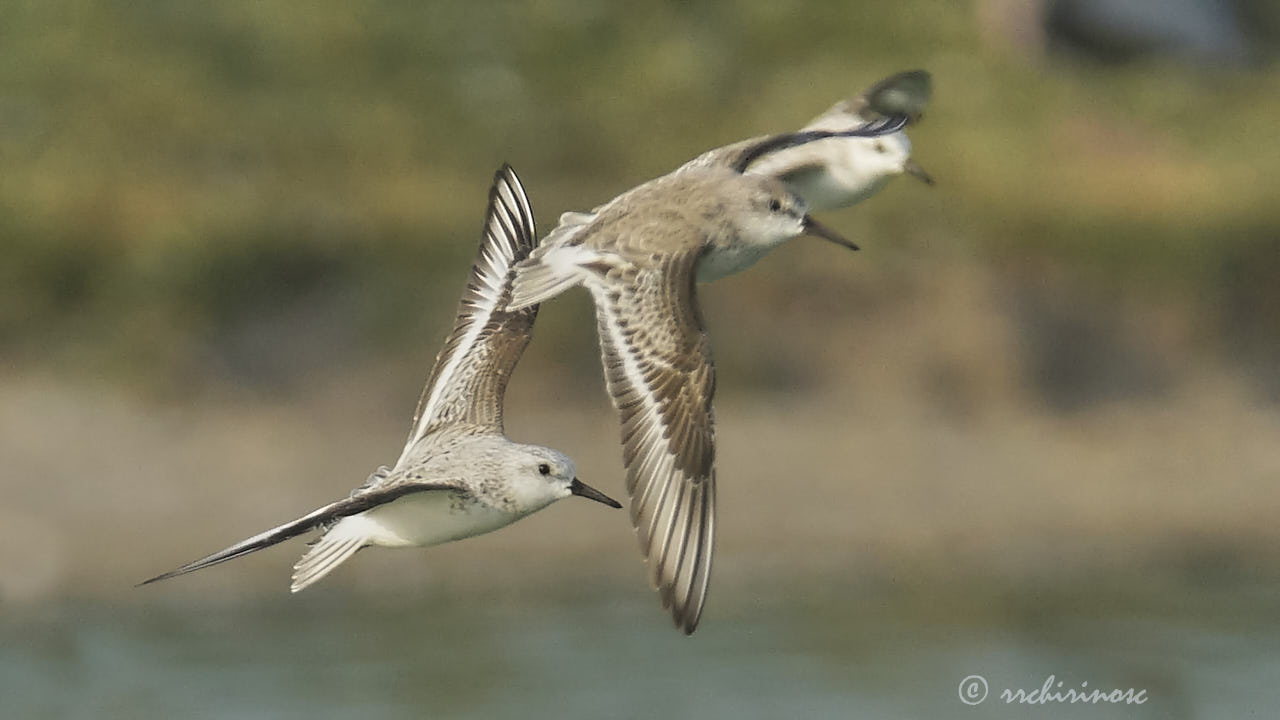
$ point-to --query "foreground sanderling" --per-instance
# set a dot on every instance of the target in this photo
(458, 475)
(640, 256)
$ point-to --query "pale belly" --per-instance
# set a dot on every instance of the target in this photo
(727, 261)
(431, 518)
(824, 191)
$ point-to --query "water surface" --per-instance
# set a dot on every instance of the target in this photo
(605, 652)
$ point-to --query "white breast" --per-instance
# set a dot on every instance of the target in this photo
(431, 518)
(836, 186)
(720, 262)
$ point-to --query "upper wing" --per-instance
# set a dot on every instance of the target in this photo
(741, 156)
(906, 93)
(743, 160)
(471, 372)
(657, 363)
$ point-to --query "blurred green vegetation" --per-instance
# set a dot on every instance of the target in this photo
(175, 172)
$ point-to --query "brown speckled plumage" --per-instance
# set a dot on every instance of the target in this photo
(641, 256)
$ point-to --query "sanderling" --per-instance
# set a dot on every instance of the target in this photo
(837, 172)
(641, 254)
(458, 475)
(640, 257)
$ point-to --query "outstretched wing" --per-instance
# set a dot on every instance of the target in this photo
(323, 517)
(741, 156)
(657, 363)
(906, 93)
(470, 375)
(786, 141)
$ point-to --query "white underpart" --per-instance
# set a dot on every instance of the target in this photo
(757, 237)
(429, 518)
(852, 168)
(415, 520)
(722, 262)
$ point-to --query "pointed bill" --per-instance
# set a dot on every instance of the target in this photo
(581, 489)
(817, 229)
(913, 169)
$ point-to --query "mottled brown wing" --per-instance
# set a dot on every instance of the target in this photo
(470, 375)
(657, 363)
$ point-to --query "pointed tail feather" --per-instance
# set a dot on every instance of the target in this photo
(341, 542)
(535, 283)
(265, 539)
(552, 269)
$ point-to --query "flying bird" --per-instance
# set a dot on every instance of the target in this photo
(641, 256)
(458, 474)
(836, 172)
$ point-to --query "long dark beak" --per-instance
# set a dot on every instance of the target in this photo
(577, 487)
(911, 168)
(817, 229)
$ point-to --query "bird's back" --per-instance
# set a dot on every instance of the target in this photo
(676, 213)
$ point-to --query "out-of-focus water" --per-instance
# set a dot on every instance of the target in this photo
(609, 653)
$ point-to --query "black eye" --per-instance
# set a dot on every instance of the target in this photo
(775, 205)
(545, 469)
(879, 147)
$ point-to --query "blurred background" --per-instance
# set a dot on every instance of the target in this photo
(1030, 430)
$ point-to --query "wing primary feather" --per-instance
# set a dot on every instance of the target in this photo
(658, 370)
(352, 505)
(488, 338)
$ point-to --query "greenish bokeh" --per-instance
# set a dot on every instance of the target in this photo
(172, 170)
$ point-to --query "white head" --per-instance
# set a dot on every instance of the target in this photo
(759, 213)
(858, 166)
(852, 169)
(886, 156)
(537, 476)
(774, 214)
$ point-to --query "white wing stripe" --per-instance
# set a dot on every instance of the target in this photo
(658, 485)
(498, 254)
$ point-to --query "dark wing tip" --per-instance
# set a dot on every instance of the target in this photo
(158, 578)
(905, 93)
(509, 208)
(189, 567)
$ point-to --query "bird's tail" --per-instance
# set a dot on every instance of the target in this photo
(262, 540)
(549, 271)
(331, 550)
